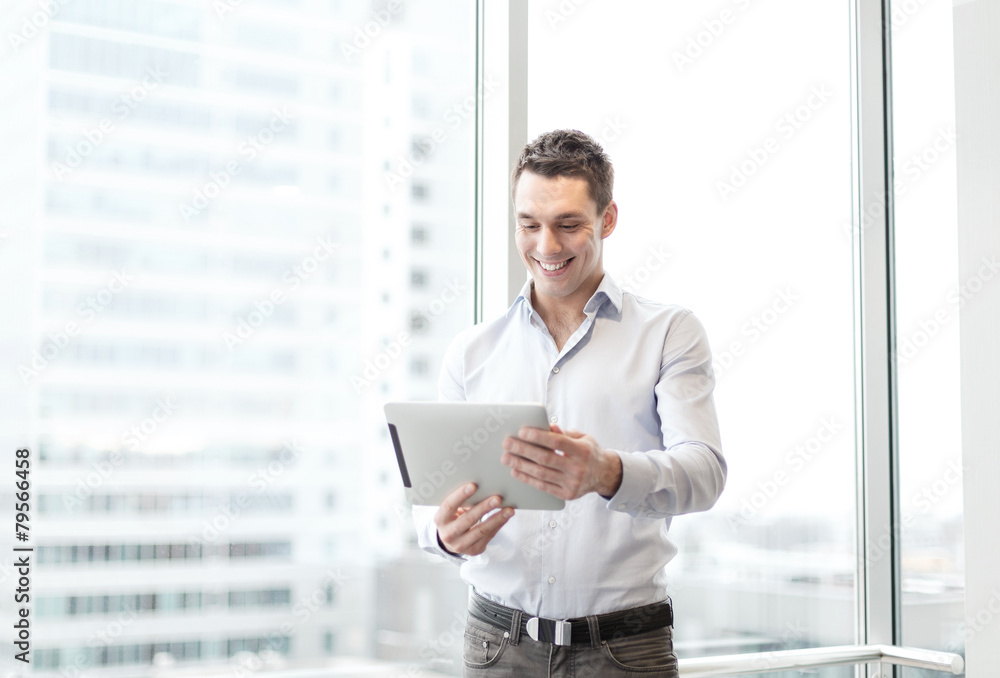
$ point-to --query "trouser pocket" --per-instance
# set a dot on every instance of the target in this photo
(484, 644)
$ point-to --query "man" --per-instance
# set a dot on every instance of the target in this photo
(631, 381)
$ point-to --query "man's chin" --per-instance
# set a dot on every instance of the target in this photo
(552, 288)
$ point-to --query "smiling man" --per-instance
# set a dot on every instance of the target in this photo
(633, 441)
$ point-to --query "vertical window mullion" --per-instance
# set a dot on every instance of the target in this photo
(502, 126)
(878, 570)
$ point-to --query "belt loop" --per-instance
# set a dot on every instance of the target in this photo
(595, 630)
(515, 627)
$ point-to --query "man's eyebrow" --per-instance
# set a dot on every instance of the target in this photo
(558, 217)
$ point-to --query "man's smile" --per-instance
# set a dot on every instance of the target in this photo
(554, 266)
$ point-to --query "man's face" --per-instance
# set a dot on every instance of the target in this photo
(559, 234)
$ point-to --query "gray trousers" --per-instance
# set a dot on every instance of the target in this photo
(490, 652)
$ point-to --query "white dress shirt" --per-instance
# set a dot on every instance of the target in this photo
(637, 376)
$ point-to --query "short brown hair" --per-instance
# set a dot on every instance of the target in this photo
(568, 152)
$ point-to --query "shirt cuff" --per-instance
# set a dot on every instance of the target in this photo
(638, 478)
(427, 535)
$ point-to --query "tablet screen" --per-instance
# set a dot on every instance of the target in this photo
(440, 446)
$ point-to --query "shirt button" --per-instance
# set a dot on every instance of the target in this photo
(552, 523)
(553, 419)
(621, 506)
(552, 580)
(555, 370)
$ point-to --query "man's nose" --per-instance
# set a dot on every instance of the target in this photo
(548, 240)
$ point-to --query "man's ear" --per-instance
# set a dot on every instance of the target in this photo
(610, 219)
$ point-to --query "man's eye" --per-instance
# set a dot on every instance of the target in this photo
(567, 225)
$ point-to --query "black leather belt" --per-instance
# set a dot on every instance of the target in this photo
(575, 631)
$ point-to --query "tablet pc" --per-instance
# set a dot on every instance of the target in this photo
(441, 445)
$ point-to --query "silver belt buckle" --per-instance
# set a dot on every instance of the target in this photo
(561, 633)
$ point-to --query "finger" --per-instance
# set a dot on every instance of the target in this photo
(453, 529)
(453, 503)
(552, 440)
(489, 530)
(541, 454)
(521, 466)
(474, 540)
(552, 488)
(483, 532)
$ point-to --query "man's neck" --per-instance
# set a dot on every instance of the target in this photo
(562, 315)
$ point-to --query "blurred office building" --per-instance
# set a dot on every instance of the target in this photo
(221, 216)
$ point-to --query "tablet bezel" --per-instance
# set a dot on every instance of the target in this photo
(442, 445)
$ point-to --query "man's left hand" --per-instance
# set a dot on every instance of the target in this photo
(579, 467)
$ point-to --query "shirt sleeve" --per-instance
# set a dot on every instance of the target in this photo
(689, 474)
(451, 387)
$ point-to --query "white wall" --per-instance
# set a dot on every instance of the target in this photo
(977, 102)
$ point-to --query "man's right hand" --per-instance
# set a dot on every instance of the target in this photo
(461, 529)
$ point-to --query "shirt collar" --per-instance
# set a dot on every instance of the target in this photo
(607, 291)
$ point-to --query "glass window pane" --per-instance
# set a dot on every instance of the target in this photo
(733, 181)
(929, 296)
(209, 280)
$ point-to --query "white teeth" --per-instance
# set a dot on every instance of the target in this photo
(553, 267)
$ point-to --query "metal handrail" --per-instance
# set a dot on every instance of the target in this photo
(784, 660)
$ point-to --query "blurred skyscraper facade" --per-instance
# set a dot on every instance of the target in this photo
(231, 242)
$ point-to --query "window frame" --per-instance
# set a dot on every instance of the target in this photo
(501, 132)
